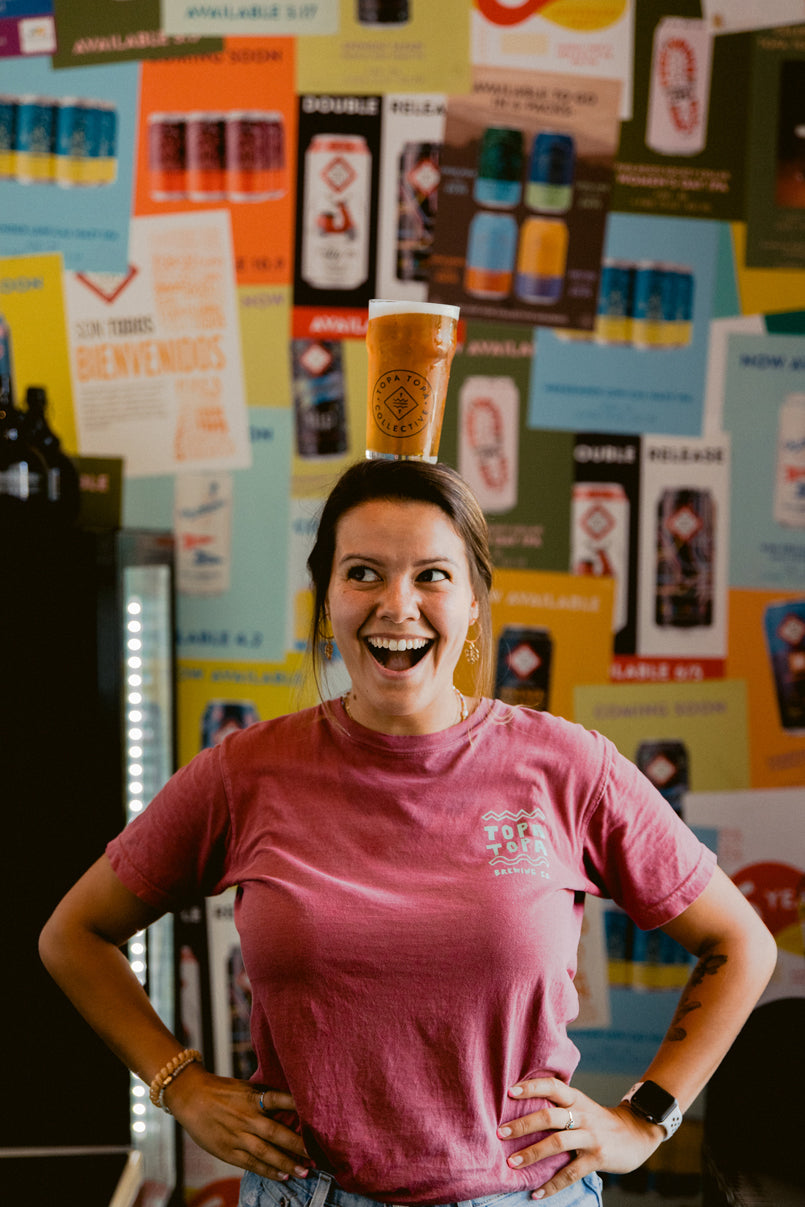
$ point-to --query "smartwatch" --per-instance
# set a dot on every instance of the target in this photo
(650, 1101)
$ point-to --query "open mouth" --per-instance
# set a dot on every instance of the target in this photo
(398, 654)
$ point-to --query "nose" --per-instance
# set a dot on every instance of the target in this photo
(399, 601)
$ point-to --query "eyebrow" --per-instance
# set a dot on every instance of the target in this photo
(377, 561)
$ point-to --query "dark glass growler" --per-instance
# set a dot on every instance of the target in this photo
(61, 489)
(23, 471)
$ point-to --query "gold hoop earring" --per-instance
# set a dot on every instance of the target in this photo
(328, 649)
(471, 651)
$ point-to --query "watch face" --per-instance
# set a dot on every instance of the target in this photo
(654, 1101)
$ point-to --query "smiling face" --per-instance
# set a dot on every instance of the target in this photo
(400, 602)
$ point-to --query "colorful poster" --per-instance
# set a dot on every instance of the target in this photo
(536, 617)
(155, 352)
(27, 27)
(683, 151)
(709, 720)
(525, 181)
(576, 40)
(765, 290)
(685, 525)
(268, 19)
(231, 529)
(643, 367)
(761, 845)
(405, 46)
(328, 381)
(775, 199)
(68, 184)
(32, 302)
(522, 477)
(105, 31)
(336, 213)
(410, 174)
(764, 411)
(767, 649)
(219, 132)
(265, 320)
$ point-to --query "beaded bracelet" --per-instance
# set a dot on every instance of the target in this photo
(172, 1070)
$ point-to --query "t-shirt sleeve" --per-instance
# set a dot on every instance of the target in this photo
(176, 850)
(639, 851)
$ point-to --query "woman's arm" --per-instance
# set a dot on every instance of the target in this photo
(80, 947)
(736, 957)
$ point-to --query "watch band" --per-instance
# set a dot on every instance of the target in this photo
(669, 1120)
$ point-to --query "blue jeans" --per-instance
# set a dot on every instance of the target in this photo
(321, 1191)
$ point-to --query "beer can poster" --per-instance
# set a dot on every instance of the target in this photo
(336, 214)
(526, 172)
(684, 547)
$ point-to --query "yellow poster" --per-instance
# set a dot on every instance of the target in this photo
(765, 290)
(214, 698)
(706, 721)
(767, 649)
(551, 633)
(32, 310)
(411, 46)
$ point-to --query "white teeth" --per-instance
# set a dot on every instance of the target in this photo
(391, 643)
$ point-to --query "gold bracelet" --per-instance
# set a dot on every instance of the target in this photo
(172, 1069)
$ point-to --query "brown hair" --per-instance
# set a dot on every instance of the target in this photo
(414, 481)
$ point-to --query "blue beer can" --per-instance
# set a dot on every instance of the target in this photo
(499, 181)
(107, 142)
(34, 158)
(654, 303)
(784, 629)
(8, 134)
(615, 310)
(551, 168)
(491, 251)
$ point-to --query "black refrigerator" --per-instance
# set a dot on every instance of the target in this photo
(87, 681)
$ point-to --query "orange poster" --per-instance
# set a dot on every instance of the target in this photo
(767, 649)
(218, 131)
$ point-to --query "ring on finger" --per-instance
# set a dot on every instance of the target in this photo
(260, 1102)
(571, 1122)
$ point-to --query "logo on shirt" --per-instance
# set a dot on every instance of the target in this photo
(516, 842)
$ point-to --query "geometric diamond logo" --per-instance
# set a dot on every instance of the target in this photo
(524, 660)
(339, 174)
(684, 523)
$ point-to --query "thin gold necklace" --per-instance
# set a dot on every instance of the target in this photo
(461, 700)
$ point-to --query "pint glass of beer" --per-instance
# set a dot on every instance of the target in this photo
(411, 347)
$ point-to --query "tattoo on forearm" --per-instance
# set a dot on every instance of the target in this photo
(708, 965)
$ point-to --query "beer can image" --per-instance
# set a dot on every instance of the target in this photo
(654, 302)
(78, 143)
(107, 142)
(337, 195)
(34, 158)
(789, 482)
(418, 193)
(784, 629)
(615, 309)
(499, 178)
(222, 717)
(167, 156)
(383, 12)
(681, 326)
(488, 442)
(666, 763)
(599, 536)
(491, 250)
(523, 673)
(318, 393)
(551, 169)
(679, 89)
(203, 525)
(685, 558)
(254, 143)
(206, 166)
(8, 135)
(541, 260)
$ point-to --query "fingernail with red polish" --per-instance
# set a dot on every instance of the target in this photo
(301, 1171)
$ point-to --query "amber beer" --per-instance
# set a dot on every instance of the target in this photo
(411, 347)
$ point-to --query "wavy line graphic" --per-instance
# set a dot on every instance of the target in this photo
(509, 816)
(542, 862)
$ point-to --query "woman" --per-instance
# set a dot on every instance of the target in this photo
(411, 868)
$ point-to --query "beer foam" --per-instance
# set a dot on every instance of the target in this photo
(380, 306)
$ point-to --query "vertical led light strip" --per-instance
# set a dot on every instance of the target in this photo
(133, 678)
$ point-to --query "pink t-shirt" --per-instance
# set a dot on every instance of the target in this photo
(409, 911)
